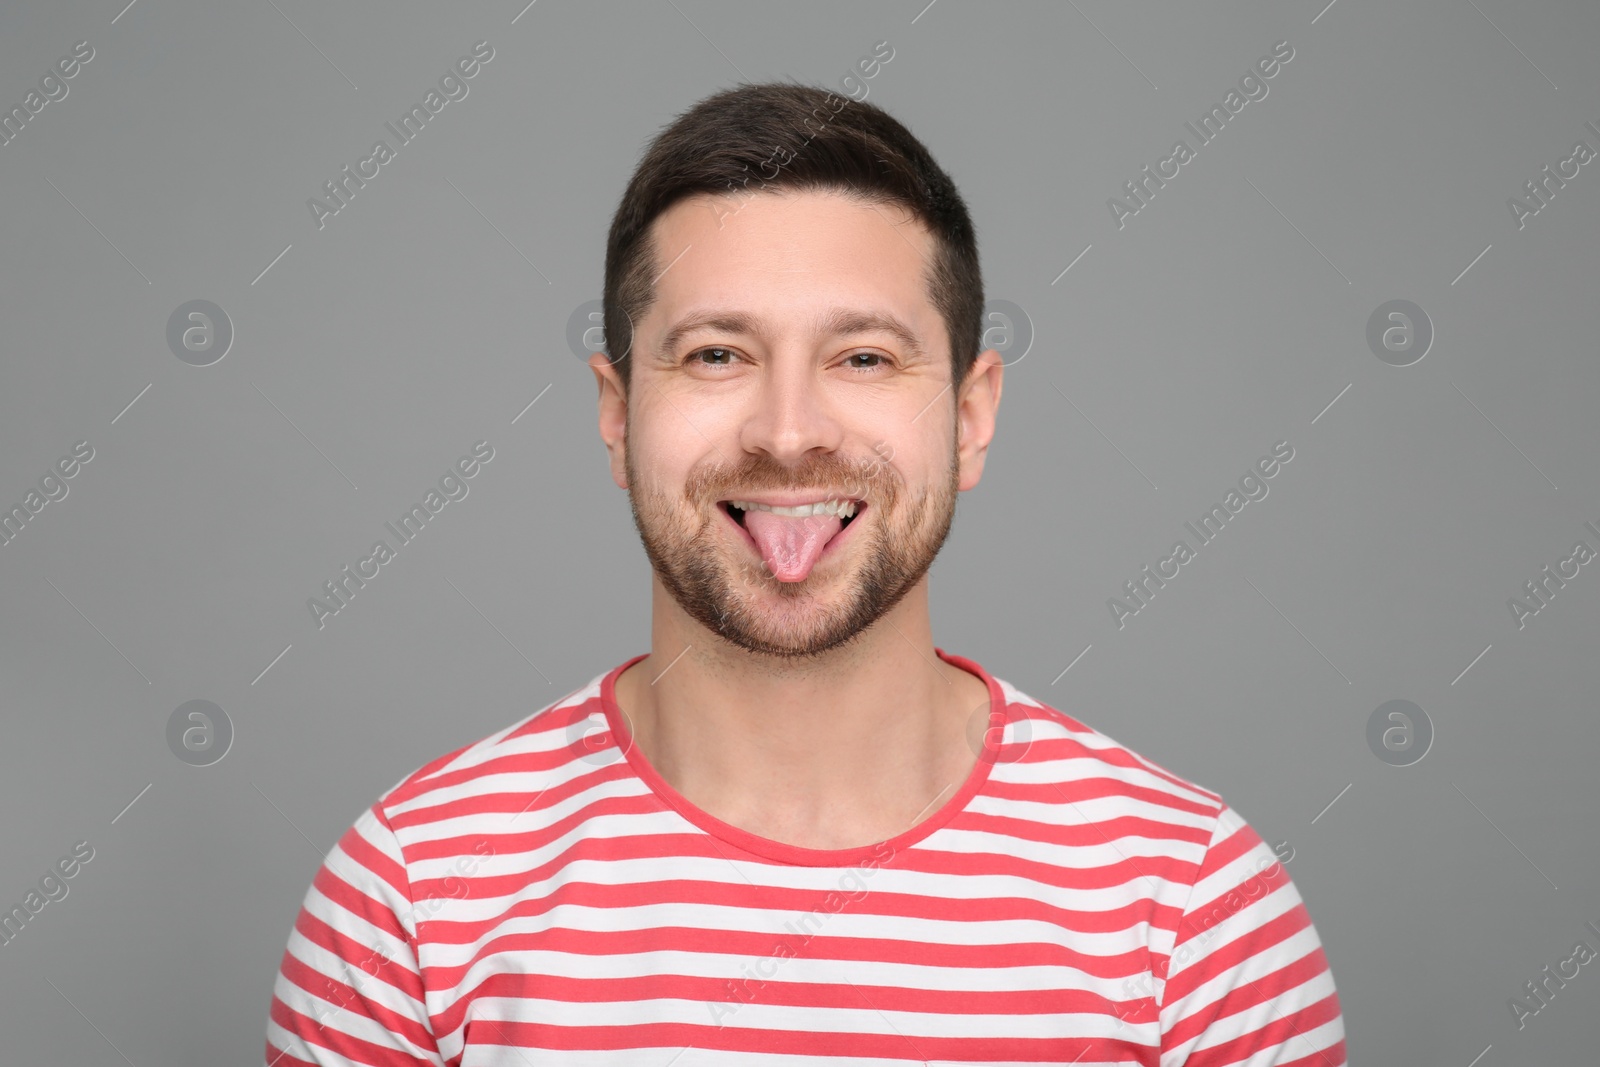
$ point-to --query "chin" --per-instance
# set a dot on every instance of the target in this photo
(789, 625)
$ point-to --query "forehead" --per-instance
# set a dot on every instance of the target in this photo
(792, 255)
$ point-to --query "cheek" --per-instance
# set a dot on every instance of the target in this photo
(669, 443)
(659, 480)
(652, 445)
(923, 462)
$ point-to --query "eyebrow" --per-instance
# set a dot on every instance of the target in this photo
(835, 322)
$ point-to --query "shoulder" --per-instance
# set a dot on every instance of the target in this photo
(1050, 762)
(1048, 737)
(483, 786)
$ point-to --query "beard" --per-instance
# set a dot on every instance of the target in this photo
(730, 591)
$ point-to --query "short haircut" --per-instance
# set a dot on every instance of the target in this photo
(778, 135)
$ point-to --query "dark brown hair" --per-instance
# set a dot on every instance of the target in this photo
(771, 135)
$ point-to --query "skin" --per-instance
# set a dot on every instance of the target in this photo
(812, 713)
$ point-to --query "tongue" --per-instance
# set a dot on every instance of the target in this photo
(791, 545)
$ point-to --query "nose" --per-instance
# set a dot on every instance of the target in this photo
(791, 411)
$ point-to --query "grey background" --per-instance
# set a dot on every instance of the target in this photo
(1224, 317)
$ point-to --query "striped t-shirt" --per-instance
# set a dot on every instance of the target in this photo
(543, 896)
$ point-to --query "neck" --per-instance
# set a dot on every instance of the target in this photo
(847, 748)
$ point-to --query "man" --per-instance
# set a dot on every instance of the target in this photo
(796, 831)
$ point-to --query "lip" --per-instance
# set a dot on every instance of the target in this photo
(792, 500)
(839, 539)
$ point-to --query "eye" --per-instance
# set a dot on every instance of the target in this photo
(716, 349)
(881, 361)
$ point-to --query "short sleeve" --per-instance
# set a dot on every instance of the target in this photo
(1247, 981)
(349, 990)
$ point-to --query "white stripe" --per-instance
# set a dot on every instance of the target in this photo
(758, 1015)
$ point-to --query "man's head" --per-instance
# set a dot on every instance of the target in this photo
(774, 136)
(793, 306)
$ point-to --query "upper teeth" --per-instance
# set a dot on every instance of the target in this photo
(842, 508)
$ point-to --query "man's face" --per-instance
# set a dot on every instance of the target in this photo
(800, 392)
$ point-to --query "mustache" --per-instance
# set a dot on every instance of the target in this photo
(872, 480)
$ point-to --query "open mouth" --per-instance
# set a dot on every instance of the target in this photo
(791, 541)
(847, 510)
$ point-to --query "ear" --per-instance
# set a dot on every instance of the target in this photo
(976, 408)
(613, 415)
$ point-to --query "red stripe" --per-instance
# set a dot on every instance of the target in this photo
(723, 1000)
(698, 845)
(1101, 786)
(1286, 1033)
(359, 956)
(352, 1049)
(1050, 748)
(335, 998)
(1248, 994)
(357, 903)
(820, 946)
(813, 1043)
(1242, 948)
